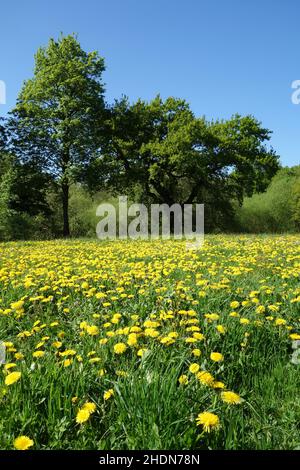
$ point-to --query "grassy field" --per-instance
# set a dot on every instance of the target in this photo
(137, 345)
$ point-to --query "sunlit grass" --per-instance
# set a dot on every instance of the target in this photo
(65, 305)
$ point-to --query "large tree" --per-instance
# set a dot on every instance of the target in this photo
(172, 156)
(56, 124)
(3, 137)
(6, 181)
(23, 188)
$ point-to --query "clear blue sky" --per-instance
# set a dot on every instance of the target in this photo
(222, 56)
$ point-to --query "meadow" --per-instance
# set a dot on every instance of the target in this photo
(148, 345)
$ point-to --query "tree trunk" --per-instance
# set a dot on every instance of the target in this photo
(65, 200)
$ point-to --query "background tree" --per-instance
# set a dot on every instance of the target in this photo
(275, 210)
(296, 202)
(53, 126)
(3, 136)
(6, 181)
(171, 156)
(7, 177)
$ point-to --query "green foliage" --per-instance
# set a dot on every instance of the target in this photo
(82, 210)
(6, 181)
(173, 156)
(30, 188)
(82, 213)
(30, 227)
(24, 210)
(277, 209)
(295, 204)
(53, 125)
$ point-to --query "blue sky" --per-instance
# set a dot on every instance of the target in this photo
(222, 56)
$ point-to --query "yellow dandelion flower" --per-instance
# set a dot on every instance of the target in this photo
(212, 316)
(67, 362)
(38, 353)
(167, 340)
(132, 339)
(234, 304)
(191, 340)
(198, 336)
(103, 341)
(12, 378)
(94, 360)
(231, 398)
(17, 305)
(68, 352)
(218, 385)
(273, 308)
(19, 356)
(216, 357)
(142, 351)
(151, 332)
(295, 336)
(108, 394)
(280, 321)
(92, 330)
(90, 406)
(205, 378)
(196, 352)
(82, 416)
(23, 443)
(260, 309)
(221, 329)
(173, 334)
(83, 325)
(234, 314)
(209, 421)
(194, 368)
(10, 365)
(183, 380)
(120, 348)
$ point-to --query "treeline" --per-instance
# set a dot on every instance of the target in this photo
(277, 209)
(64, 150)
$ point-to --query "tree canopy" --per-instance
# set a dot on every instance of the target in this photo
(161, 150)
(53, 125)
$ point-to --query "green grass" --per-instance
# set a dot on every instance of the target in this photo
(149, 408)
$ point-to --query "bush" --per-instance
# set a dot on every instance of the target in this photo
(278, 209)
